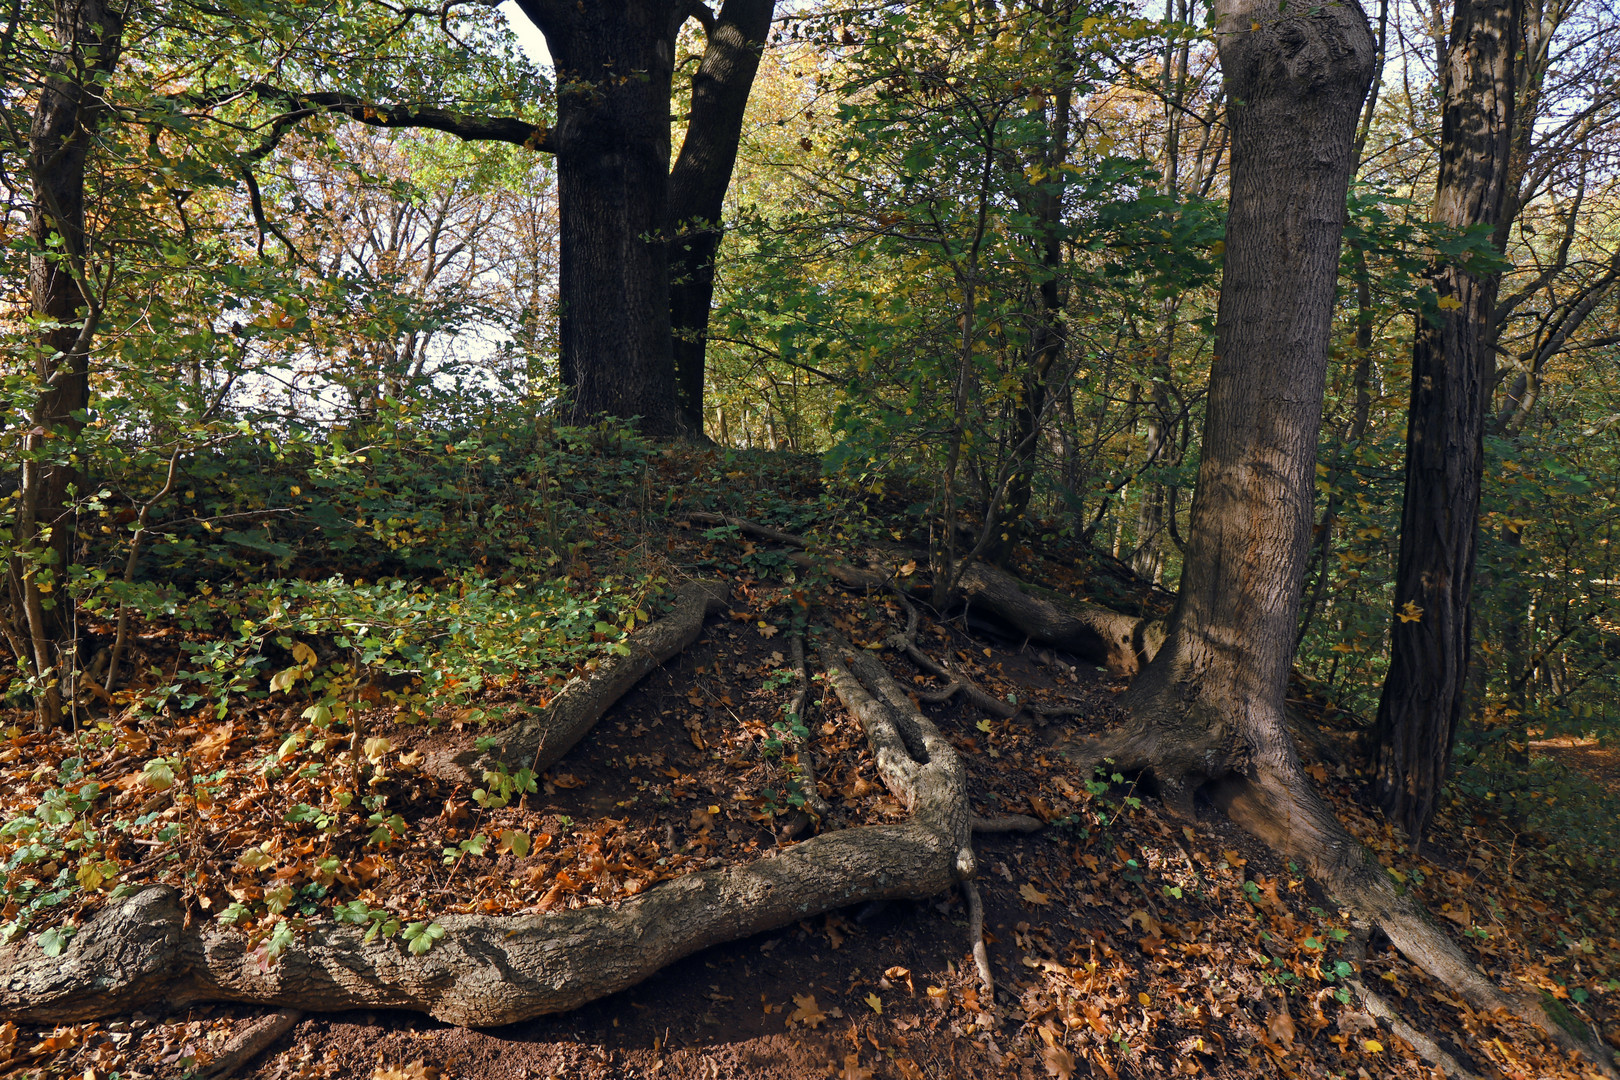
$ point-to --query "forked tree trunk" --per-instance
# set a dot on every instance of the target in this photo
(615, 60)
(1452, 374)
(697, 186)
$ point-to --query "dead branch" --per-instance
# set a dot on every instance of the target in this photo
(251, 1042)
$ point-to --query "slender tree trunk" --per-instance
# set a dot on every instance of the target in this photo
(698, 183)
(68, 113)
(615, 61)
(1452, 374)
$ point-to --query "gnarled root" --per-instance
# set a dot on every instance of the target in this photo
(539, 741)
(489, 970)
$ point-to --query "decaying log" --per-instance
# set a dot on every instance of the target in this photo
(491, 970)
(539, 741)
(1121, 643)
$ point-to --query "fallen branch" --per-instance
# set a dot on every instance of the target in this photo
(539, 741)
(251, 1042)
(492, 970)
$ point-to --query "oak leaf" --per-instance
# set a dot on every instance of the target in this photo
(808, 1012)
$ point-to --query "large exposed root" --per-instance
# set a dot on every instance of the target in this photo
(1121, 643)
(1286, 813)
(539, 741)
(489, 970)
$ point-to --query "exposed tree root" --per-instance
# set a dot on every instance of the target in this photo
(489, 970)
(1279, 806)
(252, 1042)
(1427, 1048)
(539, 741)
(981, 955)
(957, 682)
(1121, 643)
(816, 808)
(1007, 823)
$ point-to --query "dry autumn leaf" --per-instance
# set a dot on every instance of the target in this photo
(1034, 895)
(416, 1070)
(852, 1069)
(1281, 1026)
(1059, 1062)
(808, 1012)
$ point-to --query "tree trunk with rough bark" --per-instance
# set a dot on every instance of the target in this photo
(698, 183)
(1453, 371)
(1209, 714)
(69, 112)
(615, 62)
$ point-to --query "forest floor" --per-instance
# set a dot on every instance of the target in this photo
(1124, 942)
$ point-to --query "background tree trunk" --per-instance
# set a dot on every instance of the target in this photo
(69, 111)
(697, 186)
(1452, 376)
(615, 62)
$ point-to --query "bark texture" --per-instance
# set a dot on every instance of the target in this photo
(1453, 368)
(615, 62)
(487, 971)
(697, 185)
(1213, 698)
(538, 742)
(1209, 713)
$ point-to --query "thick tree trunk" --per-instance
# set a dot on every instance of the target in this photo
(1452, 375)
(66, 118)
(1213, 698)
(1209, 712)
(697, 186)
(615, 61)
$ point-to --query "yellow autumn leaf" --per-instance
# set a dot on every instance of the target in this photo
(1373, 1046)
(875, 1002)
(1144, 999)
(1450, 303)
